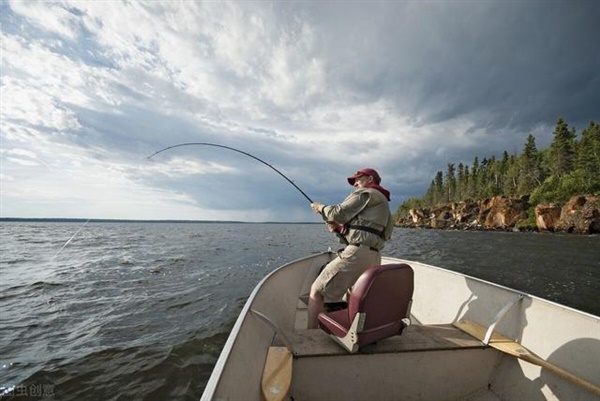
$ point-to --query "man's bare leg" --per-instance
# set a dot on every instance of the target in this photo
(315, 306)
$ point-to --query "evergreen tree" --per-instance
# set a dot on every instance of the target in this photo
(530, 168)
(467, 184)
(494, 181)
(474, 182)
(450, 185)
(439, 188)
(501, 171)
(561, 156)
(429, 198)
(588, 158)
(511, 178)
(482, 185)
(489, 178)
(460, 184)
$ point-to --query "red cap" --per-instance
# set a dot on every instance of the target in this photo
(362, 173)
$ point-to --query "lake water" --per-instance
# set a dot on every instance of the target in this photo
(140, 311)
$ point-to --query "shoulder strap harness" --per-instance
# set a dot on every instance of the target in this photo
(371, 230)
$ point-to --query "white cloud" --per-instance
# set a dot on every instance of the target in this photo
(51, 16)
(182, 167)
(32, 105)
(20, 152)
(22, 162)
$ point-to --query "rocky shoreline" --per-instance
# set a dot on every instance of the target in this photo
(580, 215)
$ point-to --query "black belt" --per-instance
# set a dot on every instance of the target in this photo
(371, 247)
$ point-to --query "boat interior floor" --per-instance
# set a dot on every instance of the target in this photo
(415, 338)
(458, 364)
(306, 343)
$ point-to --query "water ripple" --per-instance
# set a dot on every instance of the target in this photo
(141, 311)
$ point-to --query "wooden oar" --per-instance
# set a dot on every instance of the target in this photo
(513, 348)
(277, 374)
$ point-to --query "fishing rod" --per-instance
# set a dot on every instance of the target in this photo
(339, 235)
(235, 150)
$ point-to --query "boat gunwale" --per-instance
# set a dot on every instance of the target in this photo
(513, 290)
(217, 371)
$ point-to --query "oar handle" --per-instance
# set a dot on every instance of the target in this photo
(563, 373)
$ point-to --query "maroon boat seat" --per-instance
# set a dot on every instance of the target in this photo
(378, 307)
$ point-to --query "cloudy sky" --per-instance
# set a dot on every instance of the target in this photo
(90, 89)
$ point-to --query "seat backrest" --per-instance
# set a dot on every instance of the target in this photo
(384, 293)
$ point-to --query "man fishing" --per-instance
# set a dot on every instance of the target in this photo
(363, 222)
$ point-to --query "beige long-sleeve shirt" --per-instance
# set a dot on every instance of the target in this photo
(366, 207)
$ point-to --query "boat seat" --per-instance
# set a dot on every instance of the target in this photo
(378, 307)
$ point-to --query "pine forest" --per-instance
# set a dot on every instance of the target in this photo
(569, 166)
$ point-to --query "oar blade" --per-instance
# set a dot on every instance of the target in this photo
(277, 374)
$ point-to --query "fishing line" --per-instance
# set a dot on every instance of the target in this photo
(70, 239)
(235, 150)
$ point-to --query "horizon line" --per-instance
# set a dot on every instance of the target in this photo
(112, 220)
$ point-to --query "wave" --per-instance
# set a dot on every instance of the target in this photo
(145, 372)
(28, 290)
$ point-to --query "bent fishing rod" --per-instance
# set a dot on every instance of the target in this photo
(339, 235)
(235, 150)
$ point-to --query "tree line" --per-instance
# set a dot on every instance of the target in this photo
(569, 166)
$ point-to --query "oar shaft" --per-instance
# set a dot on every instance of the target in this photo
(563, 373)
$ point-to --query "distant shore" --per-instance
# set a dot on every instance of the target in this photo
(81, 220)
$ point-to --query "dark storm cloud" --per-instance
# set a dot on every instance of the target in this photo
(504, 64)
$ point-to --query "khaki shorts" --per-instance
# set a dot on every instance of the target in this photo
(342, 272)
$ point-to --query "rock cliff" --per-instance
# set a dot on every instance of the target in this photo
(581, 215)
